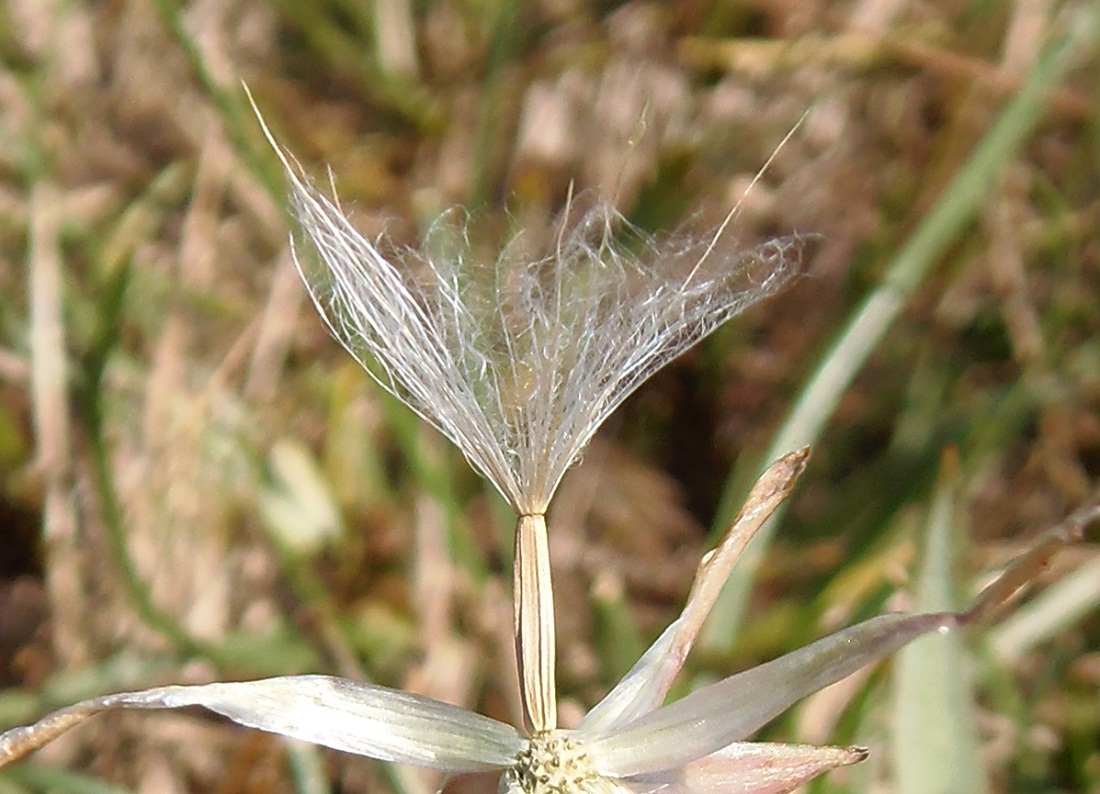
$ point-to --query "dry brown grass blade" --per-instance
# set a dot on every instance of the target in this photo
(1027, 566)
(21, 742)
(860, 52)
(276, 333)
(448, 668)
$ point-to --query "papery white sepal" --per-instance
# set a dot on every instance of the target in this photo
(736, 707)
(644, 688)
(374, 721)
(751, 768)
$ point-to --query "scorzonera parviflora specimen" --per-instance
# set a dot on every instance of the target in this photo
(518, 363)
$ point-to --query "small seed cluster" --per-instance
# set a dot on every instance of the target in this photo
(553, 762)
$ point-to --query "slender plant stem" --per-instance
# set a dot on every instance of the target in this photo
(534, 624)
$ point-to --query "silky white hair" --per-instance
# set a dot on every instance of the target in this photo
(520, 360)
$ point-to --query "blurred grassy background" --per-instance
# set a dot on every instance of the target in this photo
(197, 482)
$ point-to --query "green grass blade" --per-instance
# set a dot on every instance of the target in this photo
(307, 768)
(935, 742)
(950, 217)
(58, 781)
